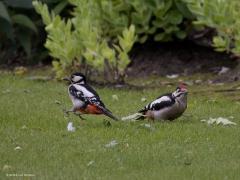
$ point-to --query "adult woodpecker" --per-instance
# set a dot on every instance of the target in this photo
(84, 98)
(166, 107)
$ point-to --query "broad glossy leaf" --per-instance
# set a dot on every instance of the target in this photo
(24, 38)
(181, 34)
(27, 4)
(6, 28)
(4, 12)
(24, 20)
(174, 17)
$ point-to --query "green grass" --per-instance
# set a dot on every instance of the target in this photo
(183, 149)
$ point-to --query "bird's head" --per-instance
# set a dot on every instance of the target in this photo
(181, 91)
(77, 78)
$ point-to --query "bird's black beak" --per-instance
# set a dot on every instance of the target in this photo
(66, 79)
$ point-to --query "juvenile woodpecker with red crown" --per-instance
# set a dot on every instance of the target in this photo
(84, 98)
(166, 107)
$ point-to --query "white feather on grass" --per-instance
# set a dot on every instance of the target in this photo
(70, 127)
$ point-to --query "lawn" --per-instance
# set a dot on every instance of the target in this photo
(35, 141)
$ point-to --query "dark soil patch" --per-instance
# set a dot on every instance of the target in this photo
(185, 58)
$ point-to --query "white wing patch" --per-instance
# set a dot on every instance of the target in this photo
(159, 100)
(85, 92)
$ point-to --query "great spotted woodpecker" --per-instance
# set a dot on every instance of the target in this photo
(84, 98)
(166, 107)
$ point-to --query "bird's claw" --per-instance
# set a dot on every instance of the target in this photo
(79, 115)
(66, 112)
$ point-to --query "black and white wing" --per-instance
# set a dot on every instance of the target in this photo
(88, 95)
(160, 103)
(77, 93)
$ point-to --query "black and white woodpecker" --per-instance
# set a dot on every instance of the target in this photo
(166, 107)
(84, 98)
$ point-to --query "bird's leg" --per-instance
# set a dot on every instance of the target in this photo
(150, 117)
(79, 115)
(66, 113)
(150, 120)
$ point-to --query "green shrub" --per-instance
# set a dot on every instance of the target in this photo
(160, 19)
(223, 16)
(101, 33)
(80, 40)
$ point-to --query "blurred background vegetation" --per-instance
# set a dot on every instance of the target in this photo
(87, 35)
(22, 33)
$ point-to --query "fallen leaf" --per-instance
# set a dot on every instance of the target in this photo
(219, 120)
(17, 148)
(90, 163)
(223, 70)
(198, 81)
(7, 167)
(172, 76)
(115, 97)
(24, 127)
(20, 70)
(57, 102)
(111, 144)
(143, 99)
(148, 126)
(6, 91)
(189, 83)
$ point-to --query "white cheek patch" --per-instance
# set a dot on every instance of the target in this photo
(76, 78)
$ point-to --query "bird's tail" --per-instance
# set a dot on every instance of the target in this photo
(108, 113)
(134, 117)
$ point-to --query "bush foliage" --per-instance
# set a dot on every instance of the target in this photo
(101, 33)
(160, 19)
(20, 30)
(81, 40)
(223, 16)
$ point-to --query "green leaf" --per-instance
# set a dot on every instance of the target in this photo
(220, 43)
(24, 38)
(181, 34)
(7, 29)
(159, 37)
(60, 6)
(4, 13)
(27, 4)
(182, 7)
(24, 21)
(174, 17)
(143, 39)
